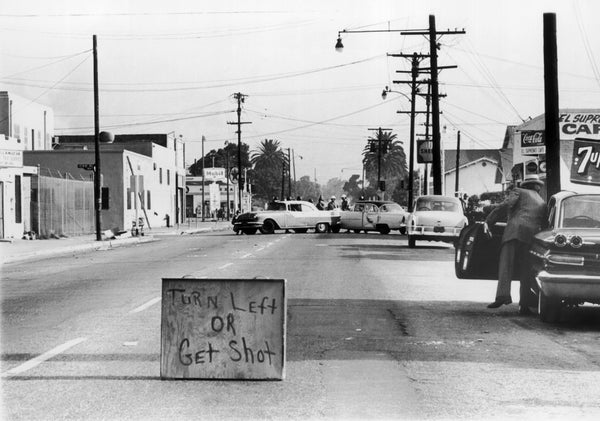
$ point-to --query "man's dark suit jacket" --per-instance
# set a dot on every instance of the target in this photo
(526, 213)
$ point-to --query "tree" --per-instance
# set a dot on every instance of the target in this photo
(334, 187)
(385, 154)
(306, 189)
(268, 161)
(220, 158)
(352, 187)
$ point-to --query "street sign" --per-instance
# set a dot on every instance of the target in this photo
(233, 175)
(223, 329)
(424, 151)
(87, 167)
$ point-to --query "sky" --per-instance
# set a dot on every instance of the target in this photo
(174, 66)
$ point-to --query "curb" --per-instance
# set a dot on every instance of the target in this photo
(105, 245)
(77, 248)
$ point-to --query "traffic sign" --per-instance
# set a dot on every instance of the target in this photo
(424, 151)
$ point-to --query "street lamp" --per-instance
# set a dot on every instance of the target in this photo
(412, 141)
(339, 47)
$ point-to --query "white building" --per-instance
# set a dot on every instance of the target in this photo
(479, 171)
(24, 126)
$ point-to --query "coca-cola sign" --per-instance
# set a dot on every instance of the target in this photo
(585, 168)
(533, 143)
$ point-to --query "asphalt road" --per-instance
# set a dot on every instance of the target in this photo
(375, 330)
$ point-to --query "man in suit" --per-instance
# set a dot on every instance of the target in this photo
(526, 212)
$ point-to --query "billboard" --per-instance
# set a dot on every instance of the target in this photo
(585, 168)
(574, 125)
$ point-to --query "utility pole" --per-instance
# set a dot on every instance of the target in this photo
(428, 104)
(240, 99)
(457, 161)
(379, 136)
(97, 172)
(227, 177)
(551, 106)
(290, 173)
(415, 60)
(435, 105)
(283, 179)
(203, 139)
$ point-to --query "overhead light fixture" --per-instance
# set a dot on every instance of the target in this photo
(339, 47)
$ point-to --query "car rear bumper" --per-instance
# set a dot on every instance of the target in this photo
(583, 287)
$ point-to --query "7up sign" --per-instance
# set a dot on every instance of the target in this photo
(585, 168)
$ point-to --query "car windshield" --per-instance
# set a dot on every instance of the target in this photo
(436, 204)
(581, 211)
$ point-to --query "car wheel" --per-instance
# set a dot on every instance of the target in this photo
(249, 231)
(383, 229)
(335, 229)
(411, 242)
(402, 230)
(548, 308)
(356, 231)
(321, 227)
(268, 227)
(300, 230)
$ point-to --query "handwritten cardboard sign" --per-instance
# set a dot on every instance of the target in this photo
(223, 329)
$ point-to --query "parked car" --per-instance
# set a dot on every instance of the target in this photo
(565, 256)
(297, 215)
(436, 218)
(374, 215)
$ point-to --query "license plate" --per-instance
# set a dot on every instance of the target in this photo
(438, 229)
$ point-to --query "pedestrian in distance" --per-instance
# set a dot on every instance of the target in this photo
(321, 203)
(345, 205)
(332, 205)
(526, 212)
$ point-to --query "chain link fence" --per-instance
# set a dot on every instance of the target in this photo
(61, 205)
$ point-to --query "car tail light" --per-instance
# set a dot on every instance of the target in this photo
(560, 240)
(575, 241)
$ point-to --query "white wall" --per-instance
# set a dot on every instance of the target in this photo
(473, 179)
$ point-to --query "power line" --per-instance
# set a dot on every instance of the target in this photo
(46, 65)
(258, 79)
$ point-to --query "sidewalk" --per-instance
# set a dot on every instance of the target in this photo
(17, 250)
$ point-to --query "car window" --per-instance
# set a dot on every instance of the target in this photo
(359, 207)
(276, 206)
(306, 208)
(551, 211)
(295, 207)
(436, 204)
(581, 211)
(390, 207)
(369, 207)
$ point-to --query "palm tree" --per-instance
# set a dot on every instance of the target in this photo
(389, 161)
(268, 160)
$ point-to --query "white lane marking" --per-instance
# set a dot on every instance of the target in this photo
(269, 244)
(226, 265)
(246, 255)
(132, 343)
(145, 306)
(260, 249)
(34, 362)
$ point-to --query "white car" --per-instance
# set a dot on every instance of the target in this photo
(288, 214)
(436, 218)
(374, 215)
